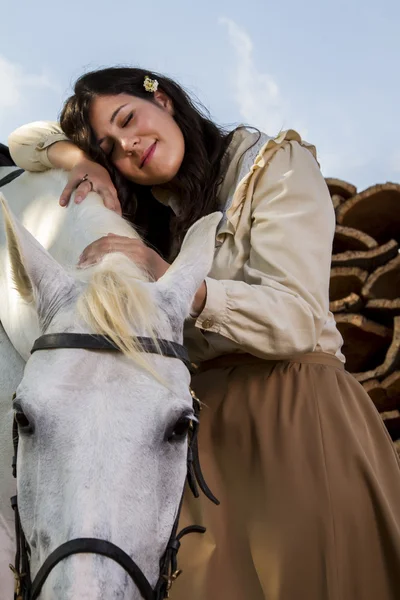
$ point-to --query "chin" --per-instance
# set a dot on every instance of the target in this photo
(158, 176)
(164, 177)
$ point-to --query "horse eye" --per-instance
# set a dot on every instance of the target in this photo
(180, 430)
(24, 425)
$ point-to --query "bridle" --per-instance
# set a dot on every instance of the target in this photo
(25, 589)
(10, 177)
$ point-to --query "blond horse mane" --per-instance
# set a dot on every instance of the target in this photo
(115, 300)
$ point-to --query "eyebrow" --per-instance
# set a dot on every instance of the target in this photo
(113, 117)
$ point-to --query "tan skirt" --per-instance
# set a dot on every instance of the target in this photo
(309, 484)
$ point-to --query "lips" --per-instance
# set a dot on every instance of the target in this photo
(148, 154)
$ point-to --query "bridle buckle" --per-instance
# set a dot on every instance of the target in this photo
(170, 579)
(17, 582)
(196, 401)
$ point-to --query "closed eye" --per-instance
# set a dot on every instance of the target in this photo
(109, 151)
(127, 120)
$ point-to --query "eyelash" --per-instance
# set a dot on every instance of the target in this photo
(125, 123)
(128, 119)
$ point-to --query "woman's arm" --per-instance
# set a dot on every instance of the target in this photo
(42, 145)
(281, 306)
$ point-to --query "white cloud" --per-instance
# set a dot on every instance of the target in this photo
(258, 95)
(15, 82)
(262, 103)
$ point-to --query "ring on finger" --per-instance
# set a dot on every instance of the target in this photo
(86, 178)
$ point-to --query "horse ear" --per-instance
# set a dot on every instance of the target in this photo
(37, 276)
(192, 265)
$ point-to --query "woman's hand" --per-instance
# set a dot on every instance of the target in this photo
(199, 300)
(87, 176)
(141, 255)
(136, 250)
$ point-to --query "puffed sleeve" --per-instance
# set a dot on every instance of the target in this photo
(28, 144)
(281, 306)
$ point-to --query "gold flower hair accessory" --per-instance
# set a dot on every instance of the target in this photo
(150, 85)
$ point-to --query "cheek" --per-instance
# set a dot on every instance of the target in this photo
(180, 145)
(175, 146)
(175, 136)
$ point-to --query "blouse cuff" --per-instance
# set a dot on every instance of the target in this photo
(43, 146)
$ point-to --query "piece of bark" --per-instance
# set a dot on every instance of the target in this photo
(391, 361)
(337, 200)
(365, 343)
(345, 281)
(392, 386)
(367, 259)
(376, 211)
(340, 187)
(384, 282)
(350, 239)
(382, 311)
(391, 420)
(379, 395)
(350, 304)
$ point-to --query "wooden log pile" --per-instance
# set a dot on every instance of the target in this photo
(365, 290)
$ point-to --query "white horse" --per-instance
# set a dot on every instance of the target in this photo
(106, 455)
(11, 371)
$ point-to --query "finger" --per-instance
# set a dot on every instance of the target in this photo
(95, 251)
(119, 243)
(115, 205)
(66, 195)
(90, 257)
(124, 239)
(82, 191)
(69, 189)
(110, 200)
(89, 249)
(93, 254)
(88, 262)
(118, 208)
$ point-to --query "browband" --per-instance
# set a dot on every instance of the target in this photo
(88, 341)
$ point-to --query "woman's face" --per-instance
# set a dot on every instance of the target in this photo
(141, 138)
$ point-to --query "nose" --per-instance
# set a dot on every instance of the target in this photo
(128, 144)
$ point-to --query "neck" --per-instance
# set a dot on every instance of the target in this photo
(10, 376)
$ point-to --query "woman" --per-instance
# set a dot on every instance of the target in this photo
(291, 444)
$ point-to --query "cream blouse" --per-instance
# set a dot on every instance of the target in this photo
(268, 289)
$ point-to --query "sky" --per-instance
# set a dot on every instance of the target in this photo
(328, 69)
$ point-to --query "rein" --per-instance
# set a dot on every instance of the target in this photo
(25, 589)
(10, 177)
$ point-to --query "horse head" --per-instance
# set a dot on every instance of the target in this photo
(103, 435)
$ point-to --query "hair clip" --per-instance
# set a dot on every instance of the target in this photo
(150, 85)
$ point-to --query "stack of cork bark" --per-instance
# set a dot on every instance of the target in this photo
(365, 290)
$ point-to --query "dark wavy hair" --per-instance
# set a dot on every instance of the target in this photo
(205, 142)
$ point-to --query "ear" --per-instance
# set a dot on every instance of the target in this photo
(192, 265)
(164, 101)
(37, 276)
